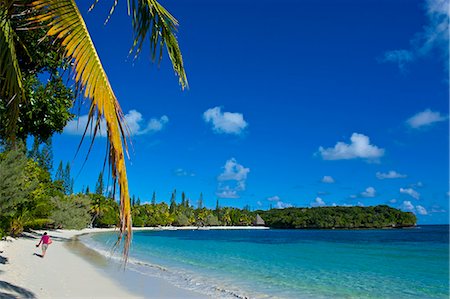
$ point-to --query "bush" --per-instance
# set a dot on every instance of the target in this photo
(71, 212)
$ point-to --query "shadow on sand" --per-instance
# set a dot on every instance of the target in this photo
(9, 291)
(3, 260)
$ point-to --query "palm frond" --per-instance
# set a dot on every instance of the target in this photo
(150, 19)
(67, 25)
(11, 85)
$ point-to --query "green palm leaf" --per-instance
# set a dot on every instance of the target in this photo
(148, 16)
(11, 87)
(150, 19)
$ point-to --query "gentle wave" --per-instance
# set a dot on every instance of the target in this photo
(178, 278)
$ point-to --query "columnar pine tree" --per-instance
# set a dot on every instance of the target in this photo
(46, 156)
(59, 176)
(183, 199)
(173, 203)
(34, 152)
(99, 185)
(71, 186)
(200, 201)
(154, 198)
(67, 181)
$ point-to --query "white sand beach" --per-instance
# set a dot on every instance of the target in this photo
(65, 274)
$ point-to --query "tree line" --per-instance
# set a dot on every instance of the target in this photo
(31, 199)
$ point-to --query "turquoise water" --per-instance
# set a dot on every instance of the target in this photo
(406, 263)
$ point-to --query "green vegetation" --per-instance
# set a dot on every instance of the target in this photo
(338, 217)
(30, 199)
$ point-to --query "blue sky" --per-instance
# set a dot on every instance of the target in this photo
(302, 103)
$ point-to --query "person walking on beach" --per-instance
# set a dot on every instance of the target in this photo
(45, 240)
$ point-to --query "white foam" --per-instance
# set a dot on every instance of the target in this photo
(178, 277)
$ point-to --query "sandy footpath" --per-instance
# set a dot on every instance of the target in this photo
(64, 274)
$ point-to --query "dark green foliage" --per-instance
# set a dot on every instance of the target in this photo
(43, 157)
(99, 186)
(104, 211)
(338, 217)
(200, 201)
(153, 198)
(173, 202)
(183, 199)
(67, 180)
(46, 156)
(34, 152)
(47, 110)
(47, 101)
(25, 192)
(59, 176)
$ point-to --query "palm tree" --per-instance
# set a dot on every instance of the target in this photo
(66, 26)
(99, 206)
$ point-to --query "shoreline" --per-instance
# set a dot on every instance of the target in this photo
(68, 273)
(71, 269)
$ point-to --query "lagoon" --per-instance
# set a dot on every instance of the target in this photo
(391, 263)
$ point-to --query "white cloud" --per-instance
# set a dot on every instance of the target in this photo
(434, 36)
(390, 175)
(225, 122)
(282, 205)
(233, 171)
(407, 205)
(421, 210)
(274, 198)
(133, 119)
(393, 200)
(232, 180)
(259, 203)
(369, 192)
(318, 202)
(425, 118)
(411, 192)
(327, 179)
(359, 147)
(227, 192)
(401, 57)
(360, 204)
(183, 172)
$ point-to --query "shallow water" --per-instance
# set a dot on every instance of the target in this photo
(403, 263)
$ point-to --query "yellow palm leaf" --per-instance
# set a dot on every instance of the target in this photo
(67, 25)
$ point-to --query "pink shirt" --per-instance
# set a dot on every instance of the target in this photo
(45, 239)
